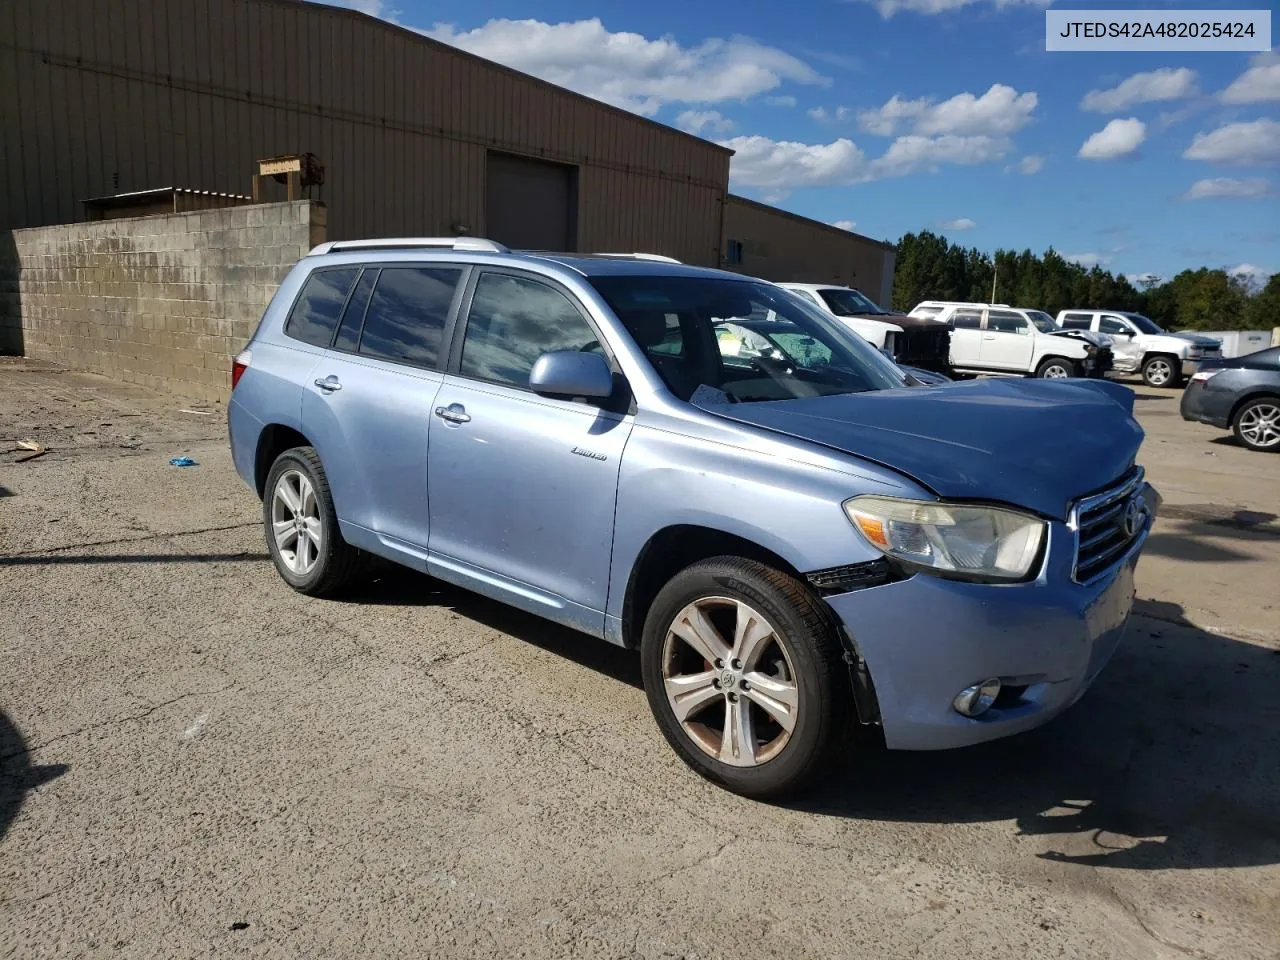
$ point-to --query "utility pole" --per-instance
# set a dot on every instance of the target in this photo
(994, 274)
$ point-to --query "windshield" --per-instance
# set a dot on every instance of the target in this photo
(742, 340)
(848, 303)
(1145, 324)
(1044, 323)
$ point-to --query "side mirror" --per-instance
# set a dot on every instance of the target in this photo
(572, 373)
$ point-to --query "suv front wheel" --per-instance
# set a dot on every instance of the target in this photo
(743, 671)
(302, 528)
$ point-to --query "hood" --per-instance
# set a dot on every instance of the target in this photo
(1196, 338)
(1089, 336)
(1036, 444)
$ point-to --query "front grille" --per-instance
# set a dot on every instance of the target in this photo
(926, 347)
(1107, 524)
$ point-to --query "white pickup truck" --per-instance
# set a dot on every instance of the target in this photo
(996, 339)
(1141, 344)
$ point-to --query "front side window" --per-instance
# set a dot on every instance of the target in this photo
(315, 314)
(744, 340)
(407, 312)
(1044, 323)
(1145, 324)
(515, 320)
(1005, 321)
(1114, 325)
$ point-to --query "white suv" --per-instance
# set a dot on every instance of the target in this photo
(853, 309)
(994, 338)
(1143, 345)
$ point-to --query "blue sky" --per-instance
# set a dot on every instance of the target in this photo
(888, 116)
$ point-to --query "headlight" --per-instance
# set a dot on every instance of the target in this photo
(963, 542)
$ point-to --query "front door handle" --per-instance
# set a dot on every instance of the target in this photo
(328, 384)
(989, 336)
(453, 413)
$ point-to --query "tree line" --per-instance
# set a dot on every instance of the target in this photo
(931, 268)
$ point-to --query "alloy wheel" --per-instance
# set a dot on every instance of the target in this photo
(1056, 372)
(738, 699)
(1260, 425)
(1159, 372)
(295, 522)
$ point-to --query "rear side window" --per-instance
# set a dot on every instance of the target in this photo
(966, 319)
(407, 313)
(515, 320)
(353, 317)
(316, 312)
(1077, 321)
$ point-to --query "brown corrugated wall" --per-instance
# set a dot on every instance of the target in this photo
(781, 247)
(99, 98)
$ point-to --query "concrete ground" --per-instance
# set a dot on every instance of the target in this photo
(195, 761)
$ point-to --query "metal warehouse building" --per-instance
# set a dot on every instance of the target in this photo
(415, 137)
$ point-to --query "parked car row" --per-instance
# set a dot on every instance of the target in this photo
(699, 466)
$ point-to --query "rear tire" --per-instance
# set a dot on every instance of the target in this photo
(1056, 368)
(1162, 371)
(762, 690)
(1257, 424)
(301, 527)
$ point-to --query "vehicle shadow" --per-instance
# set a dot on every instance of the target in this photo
(17, 775)
(74, 559)
(1194, 533)
(1171, 761)
(398, 586)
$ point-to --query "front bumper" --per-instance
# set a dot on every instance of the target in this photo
(924, 639)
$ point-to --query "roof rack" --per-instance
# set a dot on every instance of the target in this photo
(475, 244)
(639, 256)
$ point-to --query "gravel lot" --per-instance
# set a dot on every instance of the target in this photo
(195, 761)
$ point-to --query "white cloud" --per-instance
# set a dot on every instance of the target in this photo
(834, 115)
(1228, 187)
(998, 112)
(888, 8)
(843, 224)
(960, 223)
(1261, 82)
(786, 100)
(1255, 276)
(1242, 144)
(1028, 165)
(630, 70)
(780, 166)
(696, 121)
(1156, 85)
(1088, 260)
(1119, 138)
(374, 8)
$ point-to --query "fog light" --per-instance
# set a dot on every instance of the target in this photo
(976, 700)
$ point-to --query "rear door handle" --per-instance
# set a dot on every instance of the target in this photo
(453, 413)
(989, 336)
(328, 384)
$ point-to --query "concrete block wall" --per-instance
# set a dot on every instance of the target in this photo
(163, 301)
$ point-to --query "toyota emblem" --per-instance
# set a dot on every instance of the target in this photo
(1132, 518)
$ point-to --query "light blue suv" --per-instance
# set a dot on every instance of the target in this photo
(800, 545)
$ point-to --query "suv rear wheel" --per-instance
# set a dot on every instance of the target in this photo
(742, 667)
(302, 528)
(1162, 371)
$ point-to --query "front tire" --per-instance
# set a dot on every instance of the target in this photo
(301, 527)
(1055, 368)
(1162, 371)
(1257, 424)
(743, 671)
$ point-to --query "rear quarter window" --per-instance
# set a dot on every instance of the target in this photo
(316, 311)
